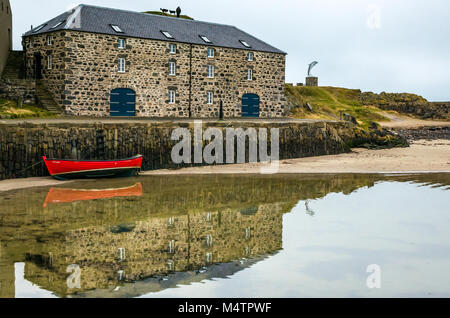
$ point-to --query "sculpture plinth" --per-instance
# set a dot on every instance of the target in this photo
(312, 81)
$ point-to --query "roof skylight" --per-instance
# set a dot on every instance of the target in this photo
(167, 34)
(57, 24)
(39, 28)
(116, 28)
(204, 38)
(244, 43)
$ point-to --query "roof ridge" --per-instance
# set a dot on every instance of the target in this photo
(155, 15)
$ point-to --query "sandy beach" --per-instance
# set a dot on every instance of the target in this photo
(422, 156)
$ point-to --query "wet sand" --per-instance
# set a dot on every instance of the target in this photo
(423, 156)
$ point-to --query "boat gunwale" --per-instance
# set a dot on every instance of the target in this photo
(114, 160)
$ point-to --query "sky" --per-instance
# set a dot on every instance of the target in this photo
(372, 45)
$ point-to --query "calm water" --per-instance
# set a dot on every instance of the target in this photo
(228, 236)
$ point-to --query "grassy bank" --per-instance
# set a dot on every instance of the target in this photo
(330, 102)
(10, 110)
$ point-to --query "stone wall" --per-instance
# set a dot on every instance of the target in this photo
(5, 33)
(85, 70)
(18, 89)
(54, 77)
(23, 145)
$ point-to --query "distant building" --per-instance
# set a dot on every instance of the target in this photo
(107, 62)
(5, 32)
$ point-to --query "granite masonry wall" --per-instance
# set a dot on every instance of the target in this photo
(53, 76)
(85, 70)
(16, 89)
(23, 145)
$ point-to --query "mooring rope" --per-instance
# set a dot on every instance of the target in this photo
(24, 170)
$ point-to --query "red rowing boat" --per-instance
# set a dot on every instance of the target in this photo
(57, 195)
(76, 169)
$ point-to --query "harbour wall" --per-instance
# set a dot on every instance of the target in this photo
(22, 144)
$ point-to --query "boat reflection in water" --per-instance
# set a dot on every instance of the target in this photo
(61, 195)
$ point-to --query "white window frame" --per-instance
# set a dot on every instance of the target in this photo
(49, 40)
(210, 71)
(121, 40)
(39, 28)
(172, 68)
(205, 39)
(250, 56)
(172, 97)
(174, 46)
(213, 52)
(210, 98)
(116, 28)
(167, 34)
(244, 43)
(250, 74)
(57, 24)
(49, 62)
(122, 65)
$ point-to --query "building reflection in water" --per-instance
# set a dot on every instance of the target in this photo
(153, 234)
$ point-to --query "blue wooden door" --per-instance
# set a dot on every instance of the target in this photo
(123, 102)
(250, 105)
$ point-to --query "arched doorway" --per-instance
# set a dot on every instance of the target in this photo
(123, 103)
(250, 105)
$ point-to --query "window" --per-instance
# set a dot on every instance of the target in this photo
(248, 233)
(205, 39)
(171, 97)
(121, 68)
(244, 43)
(210, 52)
(49, 62)
(250, 74)
(121, 43)
(39, 28)
(209, 98)
(209, 240)
(172, 68)
(172, 49)
(167, 34)
(57, 24)
(250, 56)
(172, 247)
(49, 40)
(210, 71)
(116, 28)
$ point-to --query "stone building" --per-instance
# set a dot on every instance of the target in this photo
(107, 62)
(5, 32)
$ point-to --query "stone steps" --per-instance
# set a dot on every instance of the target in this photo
(14, 66)
(45, 99)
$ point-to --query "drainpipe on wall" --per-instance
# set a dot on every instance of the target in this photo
(190, 82)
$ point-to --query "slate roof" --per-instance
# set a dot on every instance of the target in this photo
(94, 19)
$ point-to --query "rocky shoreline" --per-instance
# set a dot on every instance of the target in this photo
(426, 133)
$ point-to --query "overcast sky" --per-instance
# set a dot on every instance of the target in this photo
(374, 45)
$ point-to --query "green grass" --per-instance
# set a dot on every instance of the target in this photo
(168, 15)
(329, 102)
(9, 110)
